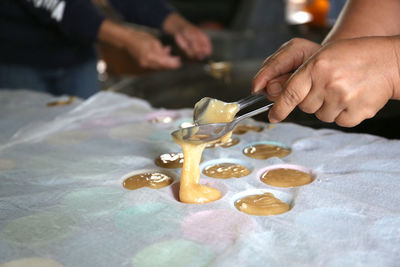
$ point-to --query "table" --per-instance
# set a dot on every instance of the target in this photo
(62, 203)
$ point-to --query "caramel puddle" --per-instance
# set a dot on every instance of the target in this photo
(286, 178)
(226, 170)
(265, 151)
(244, 128)
(262, 205)
(154, 180)
(229, 143)
(170, 160)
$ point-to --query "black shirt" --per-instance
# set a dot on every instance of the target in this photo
(62, 33)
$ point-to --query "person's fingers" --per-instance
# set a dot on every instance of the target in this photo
(167, 49)
(274, 68)
(200, 50)
(171, 62)
(196, 43)
(296, 89)
(199, 42)
(314, 99)
(286, 59)
(159, 57)
(274, 90)
(354, 114)
(275, 86)
(205, 44)
(193, 45)
(329, 111)
(348, 118)
(165, 62)
(184, 44)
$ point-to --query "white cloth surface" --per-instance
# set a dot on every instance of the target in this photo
(62, 202)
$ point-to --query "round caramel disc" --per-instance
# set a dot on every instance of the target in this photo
(226, 170)
(153, 180)
(231, 142)
(262, 204)
(286, 177)
(170, 160)
(265, 151)
(244, 128)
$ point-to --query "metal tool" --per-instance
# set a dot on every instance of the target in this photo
(213, 131)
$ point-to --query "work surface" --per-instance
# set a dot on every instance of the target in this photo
(62, 202)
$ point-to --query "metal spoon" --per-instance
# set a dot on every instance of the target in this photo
(213, 131)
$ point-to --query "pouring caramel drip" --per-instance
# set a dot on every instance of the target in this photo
(286, 178)
(190, 190)
(170, 160)
(244, 128)
(226, 170)
(262, 205)
(154, 180)
(265, 151)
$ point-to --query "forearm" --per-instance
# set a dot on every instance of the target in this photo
(113, 33)
(174, 23)
(366, 18)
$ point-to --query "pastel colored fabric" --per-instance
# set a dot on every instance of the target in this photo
(62, 202)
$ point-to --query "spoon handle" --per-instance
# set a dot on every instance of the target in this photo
(253, 113)
(250, 100)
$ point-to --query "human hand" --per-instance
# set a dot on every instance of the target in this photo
(149, 52)
(344, 82)
(278, 67)
(145, 48)
(191, 39)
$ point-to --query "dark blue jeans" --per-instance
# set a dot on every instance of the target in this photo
(80, 80)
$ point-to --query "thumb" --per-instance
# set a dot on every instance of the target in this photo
(275, 86)
(296, 89)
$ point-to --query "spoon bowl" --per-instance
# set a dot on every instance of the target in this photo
(205, 133)
(203, 105)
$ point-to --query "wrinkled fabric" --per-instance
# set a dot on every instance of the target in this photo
(62, 202)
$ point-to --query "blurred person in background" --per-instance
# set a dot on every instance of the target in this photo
(49, 45)
(346, 79)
